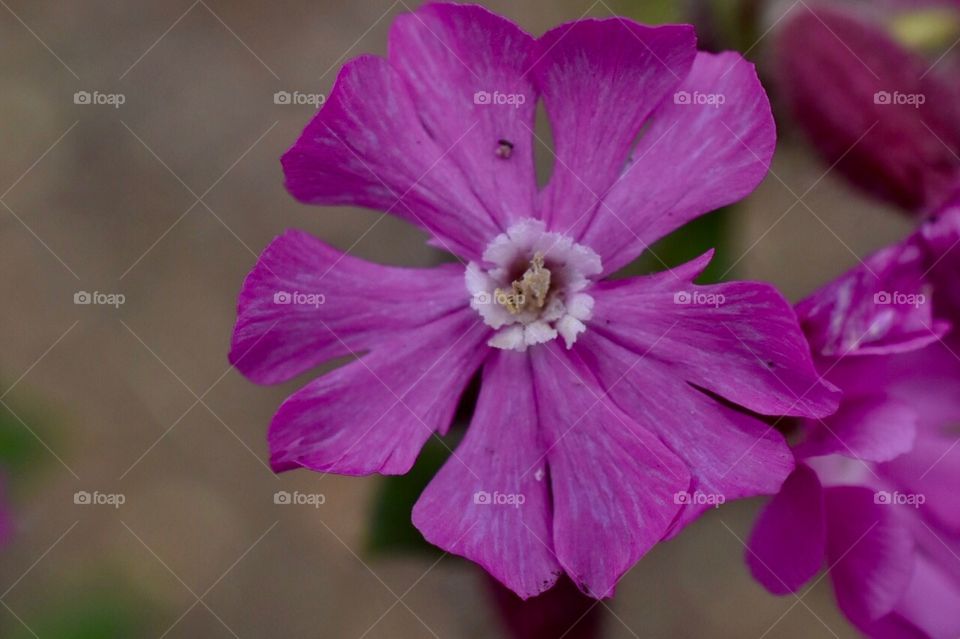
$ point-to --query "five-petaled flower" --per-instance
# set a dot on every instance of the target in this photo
(601, 399)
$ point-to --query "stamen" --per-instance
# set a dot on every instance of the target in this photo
(530, 291)
(542, 303)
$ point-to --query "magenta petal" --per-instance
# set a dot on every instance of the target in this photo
(707, 146)
(739, 339)
(500, 458)
(600, 80)
(788, 541)
(872, 428)
(465, 68)
(614, 484)
(882, 306)
(870, 553)
(932, 469)
(374, 414)
(368, 147)
(730, 454)
(941, 237)
(305, 302)
(895, 626)
(931, 602)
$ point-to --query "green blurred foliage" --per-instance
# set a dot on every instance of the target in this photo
(391, 529)
(690, 241)
(20, 450)
(732, 24)
(97, 615)
(650, 11)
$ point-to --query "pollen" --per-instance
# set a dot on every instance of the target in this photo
(529, 292)
(531, 286)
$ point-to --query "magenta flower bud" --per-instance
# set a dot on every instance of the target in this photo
(872, 108)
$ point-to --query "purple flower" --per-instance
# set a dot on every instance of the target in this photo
(874, 495)
(879, 114)
(900, 298)
(608, 408)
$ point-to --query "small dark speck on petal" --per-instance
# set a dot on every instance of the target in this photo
(504, 149)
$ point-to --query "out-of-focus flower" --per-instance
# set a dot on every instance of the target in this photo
(902, 297)
(874, 497)
(581, 454)
(879, 113)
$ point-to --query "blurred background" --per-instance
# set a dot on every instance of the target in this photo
(140, 160)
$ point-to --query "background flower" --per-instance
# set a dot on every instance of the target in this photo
(868, 500)
(883, 116)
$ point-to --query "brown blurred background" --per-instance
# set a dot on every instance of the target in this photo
(140, 401)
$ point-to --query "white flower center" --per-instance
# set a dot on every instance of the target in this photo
(531, 289)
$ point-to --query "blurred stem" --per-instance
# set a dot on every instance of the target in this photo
(562, 611)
